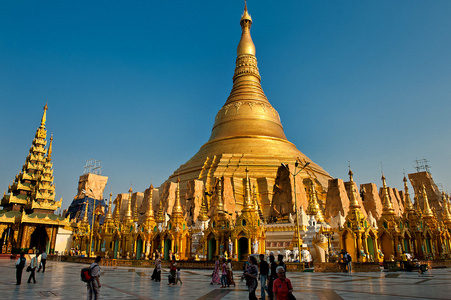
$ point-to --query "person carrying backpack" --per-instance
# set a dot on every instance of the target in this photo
(20, 264)
(349, 262)
(94, 285)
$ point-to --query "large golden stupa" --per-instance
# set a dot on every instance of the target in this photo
(247, 132)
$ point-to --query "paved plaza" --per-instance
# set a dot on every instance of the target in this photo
(62, 281)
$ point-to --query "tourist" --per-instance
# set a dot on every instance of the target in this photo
(43, 261)
(178, 277)
(251, 275)
(264, 271)
(281, 263)
(230, 280)
(349, 262)
(282, 287)
(33, 266)
(172, 271)
(272, 275)
(20, 264)
(94, 285)
(156, 275)
(223, 274)
(215, 279)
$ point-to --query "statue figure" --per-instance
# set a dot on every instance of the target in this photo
(128, 255)
(230, 248)
(255, 247)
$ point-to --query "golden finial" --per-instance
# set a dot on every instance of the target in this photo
(353, 203)
(128, 213)
(149, 212)
(109, 215)
(49, 151)
(160, 216)
(247, 195)
(427, 212)
(387, 205)
(44, 115)
(203, 211)
(220, 205)
(408, 202)
(136, 218)
(177, 208)
(246, 45)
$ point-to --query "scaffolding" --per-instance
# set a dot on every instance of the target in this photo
(422, 165)
(93, 167)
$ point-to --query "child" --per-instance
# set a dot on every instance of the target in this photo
(178, 276)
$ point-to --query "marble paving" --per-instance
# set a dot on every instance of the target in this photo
(62, 281)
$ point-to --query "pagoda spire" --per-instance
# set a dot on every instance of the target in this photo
(49, 151)
(220, 205)
(203, 211)
(313, 208)
(446, 216)
(149, 212)
(427, 211)
(160, 215)
(408, 202)
(247, 196)
(128, 213)
(387, 205)
(136, 218)
(353, 203)
(109, 216)
(177, 208)
(44, 116)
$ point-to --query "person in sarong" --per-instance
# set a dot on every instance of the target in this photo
(251, 274)
(230, 280)
(156, 275)
(215, 279)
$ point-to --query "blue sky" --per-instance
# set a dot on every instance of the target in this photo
(137, 84)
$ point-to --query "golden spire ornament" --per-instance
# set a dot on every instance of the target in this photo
(108, 214)
(408, 203)
(387, 205)
(128, 213)
(177, 209)
(427, 212)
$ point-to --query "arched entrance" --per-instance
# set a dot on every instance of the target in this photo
(116, 248)
(39, 239)
(243, 248)
(167, 247)
(211, 248)
(370, 246)
(5, 240)
(139, 248)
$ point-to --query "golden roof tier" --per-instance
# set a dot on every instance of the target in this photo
(247, 131)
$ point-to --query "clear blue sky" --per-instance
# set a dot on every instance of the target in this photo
(137, 84)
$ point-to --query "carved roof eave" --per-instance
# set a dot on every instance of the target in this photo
(54, 206)
(11, 220)
(46, 220)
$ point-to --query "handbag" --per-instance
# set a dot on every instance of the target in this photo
(291, 297)
(28, 269)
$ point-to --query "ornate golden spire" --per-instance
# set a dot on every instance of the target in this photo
(446, 216)
(353, 203)
(220, 205)
(136, 218)
(246, 45)
(149, 213)
(387, 205)
(109, 216)
(160, 215)
(313, 208)
(177, 208)
(44, 116)
(408, 202)
(49, 151)
(85, 217)
(248, 206)
(203, 211)
(427, 212)
(128, 213)
(117, 213)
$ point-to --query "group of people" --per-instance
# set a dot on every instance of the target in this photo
(273, 281)
(37, 262)
(174, 271)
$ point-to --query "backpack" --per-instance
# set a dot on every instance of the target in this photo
(86, 275)
(348, 258)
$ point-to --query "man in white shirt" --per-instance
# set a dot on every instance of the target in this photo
(94, 285)
(43, 261)
(33, 265)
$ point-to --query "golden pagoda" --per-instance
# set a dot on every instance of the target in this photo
(430, 228)
(217, 234)
(388, 227)
(28, 210)
(247, 132)
(248, 234)
(410, 231)
(357, 237)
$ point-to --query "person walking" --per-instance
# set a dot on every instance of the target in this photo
(264, 271)
(282, 288)
(215, 279)
(20, 264)
(172, 271)
(349, 262)
(273, 275)
(43, 261)
(230, 280)
(179, 279)
(251, 274)
(223, 274)
(33, 266)
(94, 285)
(281, 263)
(156, 275)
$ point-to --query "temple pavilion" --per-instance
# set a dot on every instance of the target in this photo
(28, 221)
